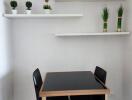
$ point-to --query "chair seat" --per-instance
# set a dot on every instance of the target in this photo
(57, 98)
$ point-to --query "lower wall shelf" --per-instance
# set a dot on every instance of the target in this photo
(42, 15)
(93, 34)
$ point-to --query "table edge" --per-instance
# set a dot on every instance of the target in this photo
(74, 92)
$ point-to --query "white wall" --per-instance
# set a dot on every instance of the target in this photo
(128, 57)
(34, 44)
(6, 85)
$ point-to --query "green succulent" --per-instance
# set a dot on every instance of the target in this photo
(120, 11)
(105, 14)
(47, 7)
(46, 0)
(13, 4)
(105, 17)
(28, 5)
(120, 14)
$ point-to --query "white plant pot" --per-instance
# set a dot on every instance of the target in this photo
(119, 30)
(28, 11)
(47, 11)
(14, 11)
(105, 30)
(52, 4)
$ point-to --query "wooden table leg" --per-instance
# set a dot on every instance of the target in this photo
(43, 98)
(106, 96)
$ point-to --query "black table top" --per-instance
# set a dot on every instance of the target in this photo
(81, 80)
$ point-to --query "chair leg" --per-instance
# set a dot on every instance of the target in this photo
(106, 96)
(43, 98)
(69, 98)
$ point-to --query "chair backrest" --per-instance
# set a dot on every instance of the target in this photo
(37, 79)
(100, 74)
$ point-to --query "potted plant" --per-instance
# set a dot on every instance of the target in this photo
(13, 4)
(120, 14)
(28, 5)
(105, 17)
(47, 8)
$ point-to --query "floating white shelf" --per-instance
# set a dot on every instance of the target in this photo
(93, 34)
(85, 0)
(42, 15)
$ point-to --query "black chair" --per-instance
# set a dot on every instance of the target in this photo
(101, 75)
(37, 79)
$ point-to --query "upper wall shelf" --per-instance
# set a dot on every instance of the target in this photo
(85, 0)
(93, 34)
(42, 15)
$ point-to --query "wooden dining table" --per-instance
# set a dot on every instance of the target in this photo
(72, 84)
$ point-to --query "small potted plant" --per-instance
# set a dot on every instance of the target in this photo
(13, 4)
(28, 5)
(120, 14)
(47, 8)
(105, 17)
